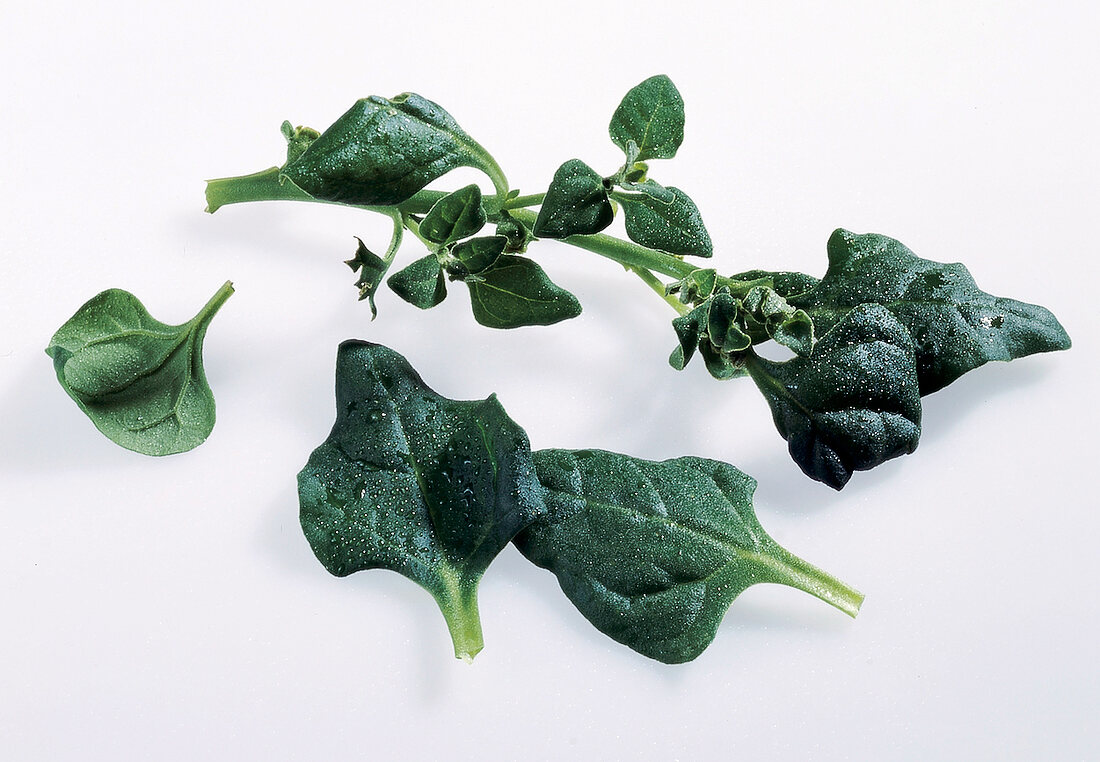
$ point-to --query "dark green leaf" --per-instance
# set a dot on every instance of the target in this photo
(371, 269)
(689, 330)
(954, 325)
(724, 325)
(576, 203)
(413, 482)
(516, 292)
(853, 404)
(140, 381)
(676, 227)
(421, 284)
(478, 254)
(515, 232)
(456, 216)
(382, 151)
(654, 553)
(651, 115)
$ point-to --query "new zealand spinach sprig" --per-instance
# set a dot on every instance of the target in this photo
(878, 331)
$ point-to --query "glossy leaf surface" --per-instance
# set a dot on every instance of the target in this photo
(383, 150)
(411, 481)
(651, 116)
(652, 553)
(675, 227)
(517, 292)
(421, 283)
(456, 216)
(955, 326)
(576, 203)
(853, 404)
(140, 381)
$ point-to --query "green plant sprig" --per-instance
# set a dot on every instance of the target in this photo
(880, 329)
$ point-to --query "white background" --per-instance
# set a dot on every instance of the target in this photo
(170, 608)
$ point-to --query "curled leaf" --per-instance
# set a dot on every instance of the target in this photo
(140, 381)
(853, 404)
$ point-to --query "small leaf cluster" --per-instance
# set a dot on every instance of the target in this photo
(648, 124)
(507, 290)
(652, 553)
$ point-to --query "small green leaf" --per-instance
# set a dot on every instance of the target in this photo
(297, 139)
(724, 325)
(675, 227)
(954, 325)
(689, 330)
(371, 268)
(653, 554)
(456, 216)
(382, 151)
(421, 284)
(576, 203)
(515, 232)
(140, 381)
(410, 481)
(767, 311)
(477, 254)
(516, 292)
(695, 286)
(853, 403)
(651, 115)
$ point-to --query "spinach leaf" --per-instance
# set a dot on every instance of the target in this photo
(576, 203)
(675, 227)
(651, 116)
(140, 381)
(517, 292)
(653, 554)
(955, 326)
(853, 403)
(383, 150)
(421, 283)
(456, 216)
(410, 481)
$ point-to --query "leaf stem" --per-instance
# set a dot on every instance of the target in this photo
(215, 304)
(654, 283)
(626, 253)
(789, 569)
(519, 202)
(457, 599)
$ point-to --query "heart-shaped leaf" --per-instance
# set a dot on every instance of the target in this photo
(411, 481)
(653, 554)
